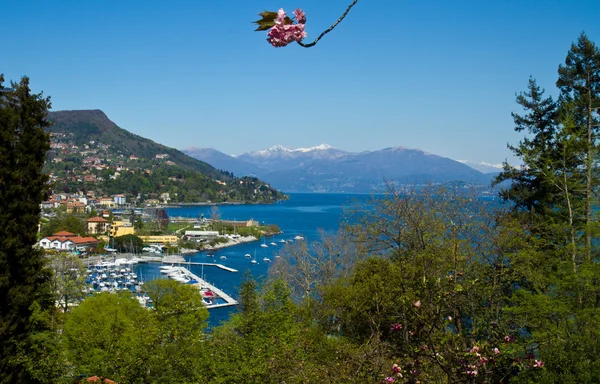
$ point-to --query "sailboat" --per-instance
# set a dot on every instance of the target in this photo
(264, 244)
(273, 241)
(253, 261)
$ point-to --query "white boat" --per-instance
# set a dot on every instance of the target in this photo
(282, 241)
(275, 244)
(266, 259)
(164, 269)
(247, 255)
(277, 257)
(210, 255)
(264, 244)
(223, 258)
(254, 262)
(298, 238)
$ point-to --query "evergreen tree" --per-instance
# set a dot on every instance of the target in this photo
(529, 190)
(25, 294)
(579, 83)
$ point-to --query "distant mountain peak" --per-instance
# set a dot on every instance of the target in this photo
(482, 166)
(320, 147)
(280, 149)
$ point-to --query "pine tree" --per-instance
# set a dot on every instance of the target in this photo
(579, 83)
(529, 190)
(25, 294)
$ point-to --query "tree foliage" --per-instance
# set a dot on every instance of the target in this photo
(26, 298)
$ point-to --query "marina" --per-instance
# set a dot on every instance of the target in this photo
(119, 275)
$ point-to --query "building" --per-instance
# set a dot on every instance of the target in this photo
(166, 239)
(107, 202)
(75, 207)
(238, 224)
(201, 235)
(67, 241)
(121, 228)
(120, 199)
(97, 225)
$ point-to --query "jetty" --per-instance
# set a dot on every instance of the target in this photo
(221, 266)
(205, 286)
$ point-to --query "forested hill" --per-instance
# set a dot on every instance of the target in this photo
(90, 152)
(93, 125)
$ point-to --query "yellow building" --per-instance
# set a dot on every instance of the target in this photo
(121, 228)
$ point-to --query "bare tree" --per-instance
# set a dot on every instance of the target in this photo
(306, 267)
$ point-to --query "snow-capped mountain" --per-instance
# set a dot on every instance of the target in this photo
(325, 169)
(482, 166)
(279, 157)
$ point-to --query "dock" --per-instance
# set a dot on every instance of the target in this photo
(229, 301)
(223, 267)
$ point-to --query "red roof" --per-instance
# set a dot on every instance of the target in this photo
(64, 234)
(73, 239)
(83, 240)
(97, 220)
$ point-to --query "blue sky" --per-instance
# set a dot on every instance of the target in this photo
(436, 75)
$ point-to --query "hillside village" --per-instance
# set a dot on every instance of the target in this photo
(94, 158)
(92, 169)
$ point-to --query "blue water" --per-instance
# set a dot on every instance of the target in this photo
(304, 214)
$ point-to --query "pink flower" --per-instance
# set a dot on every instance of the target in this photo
(424, 348)
(281, 34)
(509, 339)
(472, 372)
(496, 351)
(396, 327)
(300, 16)
(417, 304)
(396, 369)
(538, 364)
(483, 360)
(389, 379)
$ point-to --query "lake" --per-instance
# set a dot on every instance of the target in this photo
(302, 215)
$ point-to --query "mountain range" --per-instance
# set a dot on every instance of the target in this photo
(326, 169)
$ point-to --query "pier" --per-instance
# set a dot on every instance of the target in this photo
(223, 267)
(229, 301)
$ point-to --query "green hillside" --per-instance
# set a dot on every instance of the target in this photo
(91, 153)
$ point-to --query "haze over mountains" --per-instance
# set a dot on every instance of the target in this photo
(326, 169)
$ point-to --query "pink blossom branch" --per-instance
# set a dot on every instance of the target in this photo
(330, 28)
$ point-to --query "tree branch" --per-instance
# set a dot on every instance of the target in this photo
(330, 28)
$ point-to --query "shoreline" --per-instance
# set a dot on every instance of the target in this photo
(230, 243)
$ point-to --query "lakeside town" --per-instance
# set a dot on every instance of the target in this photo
(74, 222)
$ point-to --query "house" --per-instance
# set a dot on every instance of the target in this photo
(97, 225)
(75, 207)
(107, 202)
(120, 199)
(48, 204)
(67, 241)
